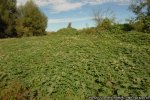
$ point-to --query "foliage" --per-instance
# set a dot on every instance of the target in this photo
(127, 27)
(120, 28)
(25, 20)
(104, 19)
(69, 31)
(75, 67)
(15, 90)
(99, 15)
(146, 22)
(141, 8)
(138, 26)
(142, 11)
(91, 30)
(116, 29)
(7, 18)
(105, 24)
(31, 21)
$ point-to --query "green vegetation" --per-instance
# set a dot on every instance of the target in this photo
(31, 21)
(105, 24)
(68, 31)
(110, 59)
(26, 20)
(75, 66)
(142, 11)
(8, 14)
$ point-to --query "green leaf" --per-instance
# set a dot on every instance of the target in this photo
(122, 92)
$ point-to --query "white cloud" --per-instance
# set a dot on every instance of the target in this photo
(66, 20)
(55, 5)
(95, 2)
(67, 5)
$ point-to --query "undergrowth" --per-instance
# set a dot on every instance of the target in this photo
(75, 66)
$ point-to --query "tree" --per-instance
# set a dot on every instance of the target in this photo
(31, 21)
(7, 18)
(100, 16)
(141, 9)
(105, 24)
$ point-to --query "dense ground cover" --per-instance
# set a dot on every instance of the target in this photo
(75, 66)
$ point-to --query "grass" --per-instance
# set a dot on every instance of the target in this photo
(75, 66)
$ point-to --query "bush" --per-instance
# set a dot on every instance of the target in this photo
(143, 25)
(138, 26)
(67, 31)
(105, 25)
(116, 29)
(146, 27)
(127, 27)
(91, 30)
(133, 37)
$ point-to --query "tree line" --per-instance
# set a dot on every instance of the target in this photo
(105, 19)
(141, 9)
(29, 20)
(25, 20)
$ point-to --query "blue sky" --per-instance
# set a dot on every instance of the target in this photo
(79, 12)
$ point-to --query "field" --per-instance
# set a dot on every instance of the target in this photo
(75, 66)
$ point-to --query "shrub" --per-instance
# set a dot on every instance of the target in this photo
(91, 30)
(138, 26)
(146, 27)
(127, 27)
(116, 29)
(67, 31)
(105, 25)
(134, 37)
(142, 25)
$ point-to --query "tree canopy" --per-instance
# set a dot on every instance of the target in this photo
(25, 20)
(31, 21)
(141, 9)
(7, 18)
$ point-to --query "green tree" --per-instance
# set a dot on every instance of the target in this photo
(31, 21)
(7, 18)
(141, 8)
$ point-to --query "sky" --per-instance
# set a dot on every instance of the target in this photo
(79, 12)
